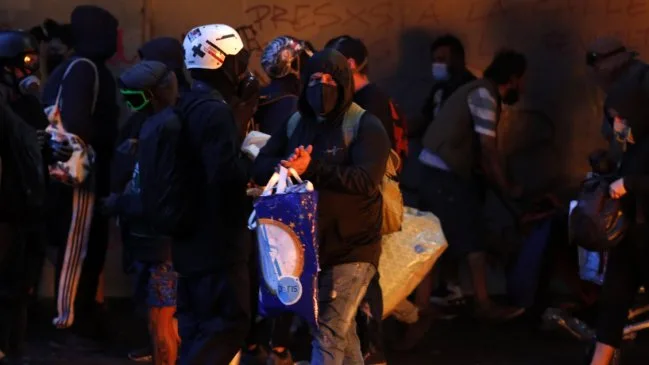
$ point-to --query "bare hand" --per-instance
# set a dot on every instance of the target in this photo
(299, 160)
(617, 189)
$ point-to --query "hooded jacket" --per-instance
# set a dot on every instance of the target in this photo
(347, 178)
(95, 37)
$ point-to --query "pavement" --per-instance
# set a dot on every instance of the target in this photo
(458, 342)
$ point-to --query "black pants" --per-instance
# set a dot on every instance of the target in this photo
(21, 256)
(213, 315)
(459, 206)
(626, 271)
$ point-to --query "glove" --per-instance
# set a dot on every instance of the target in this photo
(61, 151)
(30, 85)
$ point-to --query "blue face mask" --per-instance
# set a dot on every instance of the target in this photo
(440, 71)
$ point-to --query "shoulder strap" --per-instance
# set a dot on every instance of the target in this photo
(95, 87)
(272, 98)
(351, 123)
(292, 123)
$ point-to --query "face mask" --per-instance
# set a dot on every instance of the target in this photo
(440, 71)
(511, 97)
(322, 98)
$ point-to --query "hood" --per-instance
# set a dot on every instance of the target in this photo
(164, 49)
(94, 31)
(334, 63)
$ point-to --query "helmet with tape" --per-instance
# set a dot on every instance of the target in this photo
(284, 56)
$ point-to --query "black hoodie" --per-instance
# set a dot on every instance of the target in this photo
(347, 179)
(95, 37)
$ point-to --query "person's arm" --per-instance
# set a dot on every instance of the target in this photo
(483, 107)
(418, 123)
(220, 149)
(76, 101)
(369, 154)
(270, 155)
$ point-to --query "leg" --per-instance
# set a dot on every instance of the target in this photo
(219, 312)
(162, 307)
(374, 298)
(341, 289)
(618, 293)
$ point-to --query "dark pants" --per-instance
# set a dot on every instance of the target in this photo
(626, 271)
(459, 206)
(370, 322)
(213, 315)
(21, 256)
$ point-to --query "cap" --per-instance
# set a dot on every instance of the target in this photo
(143, 75)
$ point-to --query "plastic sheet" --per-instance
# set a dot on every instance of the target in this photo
(408, 255)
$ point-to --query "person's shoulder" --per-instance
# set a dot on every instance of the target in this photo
(369, 121)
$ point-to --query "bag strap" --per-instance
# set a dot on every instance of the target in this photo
(292, 123)
(351, 123)
(272, 98)
(57, 102)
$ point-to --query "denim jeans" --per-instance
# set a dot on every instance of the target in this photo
(341, 289)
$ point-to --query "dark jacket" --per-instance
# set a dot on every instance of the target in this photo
(95, 33)
(277, 102)
(347, 179)
(170, 52)
(375, 101)
(447, 88)
(220, 236)
(628, 96)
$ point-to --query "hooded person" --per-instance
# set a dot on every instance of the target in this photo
(55, 44)
(212, 260)
(88, 90)
(625, 80)
(347, 178)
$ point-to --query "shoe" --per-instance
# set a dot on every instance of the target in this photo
(280, 358)
(497, 313)
(448, 296)
(141, 355)
(414, 333)
(72, 342)
(256, 356)
(554, 319)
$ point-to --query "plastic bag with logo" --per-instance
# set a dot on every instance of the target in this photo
(284, 219)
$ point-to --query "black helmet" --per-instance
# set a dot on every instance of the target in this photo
(19, 49)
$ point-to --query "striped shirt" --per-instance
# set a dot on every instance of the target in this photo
(483, 107)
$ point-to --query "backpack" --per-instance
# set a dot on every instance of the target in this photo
(166, 176)
(78, 167)
(392, 200)
(597, 223)
(22, 175)
(400, 132)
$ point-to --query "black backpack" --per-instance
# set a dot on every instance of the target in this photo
(167, 173)
(597, 223)
(22, 185)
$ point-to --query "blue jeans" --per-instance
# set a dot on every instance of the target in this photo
(340, 291)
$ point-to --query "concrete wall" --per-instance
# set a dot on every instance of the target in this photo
(549, 133)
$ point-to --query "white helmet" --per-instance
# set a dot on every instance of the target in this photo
(207, 46)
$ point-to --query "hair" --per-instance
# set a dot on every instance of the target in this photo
(505, 65)
(452, 42)
(353, 48)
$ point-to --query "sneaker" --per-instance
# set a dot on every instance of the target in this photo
(414, 333)
(72, 342)
(280, 358)
(554, 319)
(448, 296)
(497, 313)
(141, 355)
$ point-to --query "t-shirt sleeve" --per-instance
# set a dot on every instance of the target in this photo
(483, 105)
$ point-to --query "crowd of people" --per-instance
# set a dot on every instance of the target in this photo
(174, 177)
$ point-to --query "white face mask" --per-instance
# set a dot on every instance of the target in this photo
(440, 71)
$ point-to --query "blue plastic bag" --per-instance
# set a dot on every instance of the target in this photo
(284, 219)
